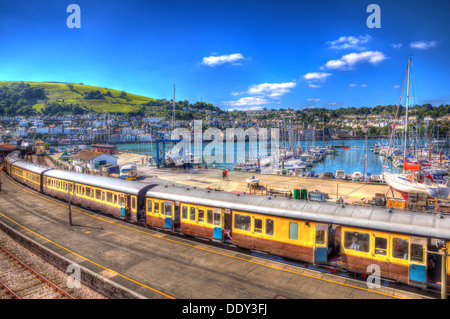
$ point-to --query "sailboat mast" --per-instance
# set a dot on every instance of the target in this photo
(173, 112)
(406, 116)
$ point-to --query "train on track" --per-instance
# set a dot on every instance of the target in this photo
(403, 245)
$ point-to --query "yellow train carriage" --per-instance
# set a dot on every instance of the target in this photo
(399, 257)
(156, 212)
(27, 174)
(116, 197)
(201, 221)
(88, 195)
(292, 238)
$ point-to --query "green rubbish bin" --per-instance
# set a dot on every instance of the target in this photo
(303, 193)
(296, 193)
(283, 172)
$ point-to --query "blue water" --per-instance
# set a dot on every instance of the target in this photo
(350, 160)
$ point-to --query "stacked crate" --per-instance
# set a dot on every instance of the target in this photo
(417, 201)
(412, 201)
(396, 203)
(380, 199)
(422, 202)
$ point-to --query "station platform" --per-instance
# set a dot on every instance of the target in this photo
(156, 265)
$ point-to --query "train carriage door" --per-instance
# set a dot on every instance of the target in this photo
(417, 275)
(176, 220)
(380, 252)
(168, 219)
(217, 219)
(122, 203)
(320, 244)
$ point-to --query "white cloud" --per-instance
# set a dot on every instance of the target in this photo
(273, 90)
(396, 45)
(313, 100)
(319, 76)
(332, 104)
(423, 45)
(396, 86)
(352, 85)
(247, 101)
(248, 108)
(222, 59)
(314, 78)
(350, 42)
(348, 61)
(363, 85)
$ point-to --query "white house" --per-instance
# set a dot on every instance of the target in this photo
(88, 158)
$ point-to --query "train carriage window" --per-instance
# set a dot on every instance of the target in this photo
(400, 248)
(149, 206)
(88, 191)
(184, 212)
(103, 196)
(269, 227)
(156, 208)
(320, 237)
(417, 253)
(217, 219)
(133, 202)
(115, 198)
(168, 209)
(98, 194)
(201, 216)
(242, 222)
(209, 217)
(192, 213)
(357, 241)
(293, 231)
(258, 225)
(380, 246)
(109, 197)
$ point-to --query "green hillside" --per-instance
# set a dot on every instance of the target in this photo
(52, 98)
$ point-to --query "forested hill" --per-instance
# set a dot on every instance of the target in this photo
(54, 98)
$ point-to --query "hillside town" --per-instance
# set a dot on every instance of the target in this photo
(112, 128)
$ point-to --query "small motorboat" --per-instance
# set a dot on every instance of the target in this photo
(340, 174)
(356, 176)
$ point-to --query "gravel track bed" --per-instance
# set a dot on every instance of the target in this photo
(26, 282)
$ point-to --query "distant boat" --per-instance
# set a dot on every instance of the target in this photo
(345, 147)
(339, 146)
(357, 176)
(340, 174)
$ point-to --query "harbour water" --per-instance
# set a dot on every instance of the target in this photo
(350, 160)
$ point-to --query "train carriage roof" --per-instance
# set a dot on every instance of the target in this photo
(12, 157)
(114, 184)
(31, 167)
(375, 218)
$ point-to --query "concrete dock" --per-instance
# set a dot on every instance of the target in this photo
(211, 177)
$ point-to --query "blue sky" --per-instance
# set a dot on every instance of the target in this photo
(234, 54)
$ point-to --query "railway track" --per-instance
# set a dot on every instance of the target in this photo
(20, 281)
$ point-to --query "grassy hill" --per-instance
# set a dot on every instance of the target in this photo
(55, 98)
(75, 94)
